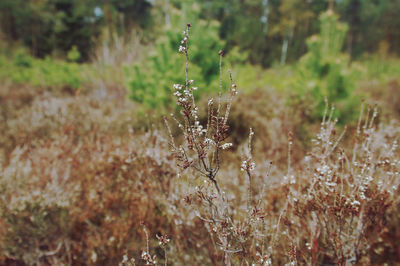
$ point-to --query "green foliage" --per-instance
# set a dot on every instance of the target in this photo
(324, 71)
(24, 69)
(73, 54)
(150, 81)
(253, 77)
(381, 69)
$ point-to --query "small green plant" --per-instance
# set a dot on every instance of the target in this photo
(324, 71)
(74, 55)
(149, 82)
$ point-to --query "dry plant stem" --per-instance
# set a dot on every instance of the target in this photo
(209, 172)
(147, 239)
(338, 140)
(358, 134)
(249, 199)
(165, 256)
(202, 148)
(149, 260)
(279, 222)
(262, 194)
(220, 83)
(232, 94)
(218, 113)
(187, 56)
(290, 142)
(248, 169)
(163, 241)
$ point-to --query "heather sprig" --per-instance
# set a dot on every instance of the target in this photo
(203, 145)
(201, 150)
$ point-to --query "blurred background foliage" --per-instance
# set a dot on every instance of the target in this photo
(270, 30)
(308, 50)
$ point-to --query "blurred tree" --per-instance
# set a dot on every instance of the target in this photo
(77, 25)
(123, 15)
(371, 22)
(27, 21)
(391, 25)
(244, 24)
(293, 25)
(273, 30)
(49, 25)
(270, 30)
(265, 27)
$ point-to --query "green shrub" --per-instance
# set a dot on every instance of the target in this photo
(73, 55)
(324, 71)
(22, 68)
(149, 81)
